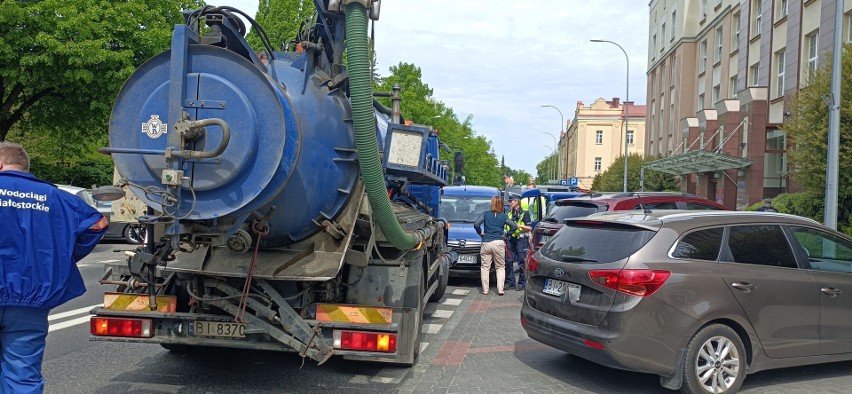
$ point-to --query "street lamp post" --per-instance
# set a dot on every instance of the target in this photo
(555, 149)
(626, 106)
(561, 130)
(550, 162)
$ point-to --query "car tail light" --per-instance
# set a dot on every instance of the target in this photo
(592, 344)
(120, 327)
(640, 283)
(532, 264)
(368, 341)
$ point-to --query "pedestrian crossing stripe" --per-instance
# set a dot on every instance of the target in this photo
(354, 314)
(138, 302)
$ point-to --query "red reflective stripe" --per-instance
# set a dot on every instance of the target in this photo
(100, 225)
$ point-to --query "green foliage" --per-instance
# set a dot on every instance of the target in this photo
(807, 130)
(62, 63)
(807, 138)
(545, 169)
(811, 204)
(418, 105)
(281, 20)
(612, 179)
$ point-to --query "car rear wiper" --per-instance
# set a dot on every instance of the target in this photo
(569, 259)
(550, 220)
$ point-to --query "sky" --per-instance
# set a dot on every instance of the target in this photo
(501, 60)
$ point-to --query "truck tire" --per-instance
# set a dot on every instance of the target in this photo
(443, 279)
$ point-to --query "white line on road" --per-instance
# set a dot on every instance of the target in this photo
(63, 315)
(431, 328)
(69, 323)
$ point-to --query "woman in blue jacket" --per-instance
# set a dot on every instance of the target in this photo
(493, 246)
(45, 232)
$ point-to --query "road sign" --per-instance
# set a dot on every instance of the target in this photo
(563, 182)
(573, 181)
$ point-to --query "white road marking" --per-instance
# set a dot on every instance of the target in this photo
(431, 328)
(452, 301)
(69, 323)
(63, 315)
(461, 292)
(440, 313)
(423, 346)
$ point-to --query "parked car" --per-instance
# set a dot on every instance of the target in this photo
(580, 206)
(701, 298)
(461, 205)
(119, 231)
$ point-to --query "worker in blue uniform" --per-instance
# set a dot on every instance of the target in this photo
(519, 242)
(45, 232)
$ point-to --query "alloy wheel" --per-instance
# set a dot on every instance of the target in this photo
(717, 364)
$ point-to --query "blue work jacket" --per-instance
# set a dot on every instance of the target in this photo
(44, 231)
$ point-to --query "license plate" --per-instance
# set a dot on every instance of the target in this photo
(220, 329)
(558, 288)
(543, 238)
(467, 259)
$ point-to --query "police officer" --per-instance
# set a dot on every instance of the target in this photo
(519, 242)
(46, 231)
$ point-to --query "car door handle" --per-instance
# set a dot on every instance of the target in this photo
(744, 286)
(832, 292)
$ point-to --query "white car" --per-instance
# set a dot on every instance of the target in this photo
(129, 232)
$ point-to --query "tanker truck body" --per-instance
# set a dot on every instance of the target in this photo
(287, 209)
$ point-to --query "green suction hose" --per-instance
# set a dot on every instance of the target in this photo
(364, 123)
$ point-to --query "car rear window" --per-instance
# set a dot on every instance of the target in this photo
(561, 212)
(700, 245)
(595, 242)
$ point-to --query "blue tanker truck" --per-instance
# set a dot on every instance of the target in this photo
(287, 208)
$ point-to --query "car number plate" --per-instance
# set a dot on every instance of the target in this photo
(543, 238)
(220, 329)
(467, 259)
(558, 288)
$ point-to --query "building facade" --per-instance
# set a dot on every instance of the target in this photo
(719, 77)
(595, 138)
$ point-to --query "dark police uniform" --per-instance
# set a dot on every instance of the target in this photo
(519, 243)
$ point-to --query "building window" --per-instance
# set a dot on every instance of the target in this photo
(597, 164)
(599, 137)
(701, 90)
(715, 94)
(672, 71)
(663, 37)
(732, 87)
(757, 12)
(847, 24)
(654, 46)
(779, 81)
(702, 56)
(813, 53)
(674, 17)
(703, 8)
(700, 102)
(717, 54)
(736, 36)
(753, 73)
(782, 8)
(629, 137)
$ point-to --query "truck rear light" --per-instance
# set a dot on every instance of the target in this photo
(367, 341)
(121, 327)
(640, 283)
(532, 264)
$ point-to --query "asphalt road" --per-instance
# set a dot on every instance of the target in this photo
(472, 343)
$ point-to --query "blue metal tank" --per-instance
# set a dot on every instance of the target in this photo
(291, 142)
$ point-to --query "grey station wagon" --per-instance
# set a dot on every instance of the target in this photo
(699, 298)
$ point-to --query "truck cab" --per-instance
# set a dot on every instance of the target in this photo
(460, 206)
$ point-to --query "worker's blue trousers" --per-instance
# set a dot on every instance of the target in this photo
(23, 331)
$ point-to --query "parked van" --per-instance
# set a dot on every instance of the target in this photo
(461, 205)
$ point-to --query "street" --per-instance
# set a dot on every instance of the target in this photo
(472, 343)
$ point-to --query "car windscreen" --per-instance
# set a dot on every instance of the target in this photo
(589, 241)
(558, 213)
(464, 209)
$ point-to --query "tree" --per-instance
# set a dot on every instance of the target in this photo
(281, 20)
(62, 62)
(807, 131)
(612, 179)
(544, 169)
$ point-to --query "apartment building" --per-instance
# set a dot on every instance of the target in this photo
(719, 77)
(595, 138)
